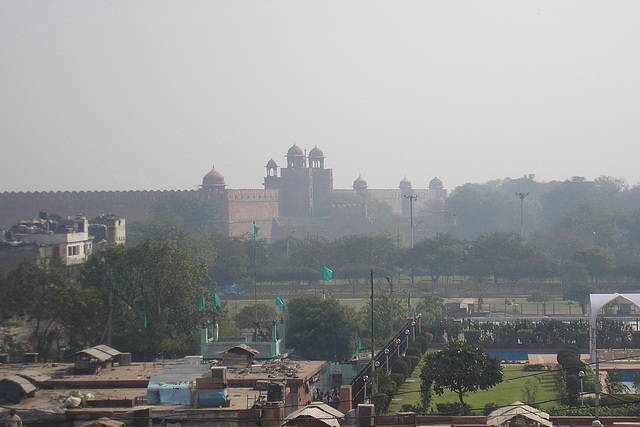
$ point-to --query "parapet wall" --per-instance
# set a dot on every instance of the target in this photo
(132, 205)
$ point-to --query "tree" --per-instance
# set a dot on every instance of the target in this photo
(598, 260)
(266, 314)
(440, 255)
(542, 298)
(155, 291)
(321, 329)
(191, 213)
(499, 252)
(381, 314)
(199, 248)
(462, 369)
(45, 297)
(431, 307)
(614, 382)
(580, 293)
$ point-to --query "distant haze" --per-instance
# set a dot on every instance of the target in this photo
(149, 95)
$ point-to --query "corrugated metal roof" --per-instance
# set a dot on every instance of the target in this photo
(100, 352)
(24, 383)
(100, 355)
(34, 376)
(106, 349)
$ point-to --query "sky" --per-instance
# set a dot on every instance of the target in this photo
(149, 95)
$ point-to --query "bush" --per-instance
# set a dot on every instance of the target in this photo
(397, 379)
(423, 343)
(414, 351)
(400, 367)
(453, 408)
(472, 336)
(413, 362)
(534, 366)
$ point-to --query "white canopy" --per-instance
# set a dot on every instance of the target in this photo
(504, 415)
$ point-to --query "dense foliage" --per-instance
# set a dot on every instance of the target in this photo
(313, 324)
(461, 368)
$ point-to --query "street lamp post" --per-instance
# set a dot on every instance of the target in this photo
(398, 345)
(366, 380)
(386, 352)
(406, 334)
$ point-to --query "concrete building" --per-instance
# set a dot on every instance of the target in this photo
(46, 238)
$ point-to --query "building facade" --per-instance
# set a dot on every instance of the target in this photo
(295, 197)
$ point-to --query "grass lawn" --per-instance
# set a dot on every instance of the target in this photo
(510, 390)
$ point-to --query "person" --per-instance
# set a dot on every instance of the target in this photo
(13, 420)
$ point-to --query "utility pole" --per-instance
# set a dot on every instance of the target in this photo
(522, 196)
(411, 199)
(373, 368)
(390, 280)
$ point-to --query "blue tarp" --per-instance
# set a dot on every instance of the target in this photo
(169, 393)
(212, 398)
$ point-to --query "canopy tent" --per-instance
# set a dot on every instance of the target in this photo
(315, 414)
(597, 301)
(518, 410)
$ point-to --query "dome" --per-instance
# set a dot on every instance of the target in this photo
(435, 184)
(405, 184)
(360, 182)
(213, 179)
(295, 151)
(316, 153)
(271, 164)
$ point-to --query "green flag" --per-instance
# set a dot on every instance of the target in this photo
(216, 300)
(280, 303)
(428, 320)
(201, 306)
(359, 347)
(144, 320)
(414, 313)
(255, 232)
(326, 274)
(409, 301)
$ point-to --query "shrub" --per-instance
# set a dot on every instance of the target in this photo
(534, 366)
(472, 336)
(397, 379)
(400, 367)
(413, 362)
(453, 408)
(422, 342)
(414, 351)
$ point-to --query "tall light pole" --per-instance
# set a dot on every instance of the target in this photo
(390, 280)
(522, 196)
(289, 238)
(411, 199)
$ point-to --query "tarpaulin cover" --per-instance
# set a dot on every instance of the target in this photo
(169, 393)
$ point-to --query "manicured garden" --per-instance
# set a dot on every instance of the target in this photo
(516, 381)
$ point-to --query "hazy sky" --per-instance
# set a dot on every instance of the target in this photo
(103, 95)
